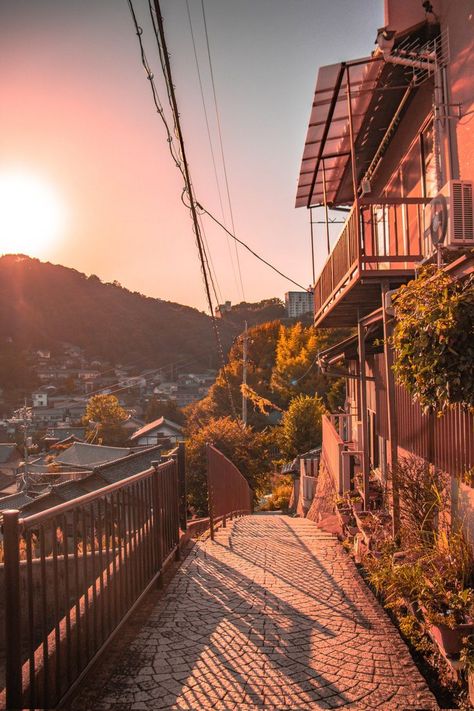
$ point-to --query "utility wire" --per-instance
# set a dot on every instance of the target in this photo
(216, 175)
(249, 248)
(183, 166)
(205, 110)
(221, 145)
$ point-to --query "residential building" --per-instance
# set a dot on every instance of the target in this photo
(388, 133)
(87, 456)
(155, 432)
(83, 482)
(39, 398)
(299, 303)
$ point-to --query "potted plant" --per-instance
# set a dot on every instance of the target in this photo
(467, 659)
(448, 614)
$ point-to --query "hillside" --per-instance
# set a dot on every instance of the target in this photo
(43, 305)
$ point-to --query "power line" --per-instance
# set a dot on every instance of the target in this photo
(196, 60)
(250, 249)
(203, 100)
(182, 164)
(219, 130)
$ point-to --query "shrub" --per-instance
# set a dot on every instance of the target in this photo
(434, 340)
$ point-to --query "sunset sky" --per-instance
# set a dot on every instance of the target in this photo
(79, 128)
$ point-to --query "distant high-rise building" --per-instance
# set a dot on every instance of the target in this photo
(298, 303)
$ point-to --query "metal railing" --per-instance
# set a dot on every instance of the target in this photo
(388, 236)
(229, 493)
(74, 573)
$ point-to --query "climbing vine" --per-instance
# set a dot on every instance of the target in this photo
(434, 340)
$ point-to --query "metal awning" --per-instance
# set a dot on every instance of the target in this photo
(327, 146)
(376, 90)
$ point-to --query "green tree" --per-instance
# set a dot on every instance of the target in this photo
(296, 371)
(250, 451)
(261, 341)
(300, 428)
(104, 418)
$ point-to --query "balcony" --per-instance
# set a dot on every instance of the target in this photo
(381, 242)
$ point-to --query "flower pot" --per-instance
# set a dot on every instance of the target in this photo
(449, 639)
(470, 683)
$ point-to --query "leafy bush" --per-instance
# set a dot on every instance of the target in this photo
(434, 340)
(280, 496)
(301, 428)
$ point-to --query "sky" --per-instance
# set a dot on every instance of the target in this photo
(82, 143)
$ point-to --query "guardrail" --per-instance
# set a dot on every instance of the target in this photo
(229, 493)
(388, 236)
(74, 573)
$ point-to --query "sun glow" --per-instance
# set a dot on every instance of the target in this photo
(32, 215)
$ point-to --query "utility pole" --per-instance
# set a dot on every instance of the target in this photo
(25, 447)
(244, 376)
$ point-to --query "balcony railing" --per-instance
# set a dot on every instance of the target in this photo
(387, 236)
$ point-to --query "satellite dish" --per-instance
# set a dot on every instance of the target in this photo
(439, 219)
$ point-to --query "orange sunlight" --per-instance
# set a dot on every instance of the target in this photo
(32, 215)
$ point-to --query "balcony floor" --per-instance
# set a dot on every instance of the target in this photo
(359, 297)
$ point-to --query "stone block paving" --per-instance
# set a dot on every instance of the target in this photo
(272, 614)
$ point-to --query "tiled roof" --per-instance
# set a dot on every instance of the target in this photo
(6, 451)
(101, 476)
(156, 424)
(81, 454)
(133, 464)
(15, 501)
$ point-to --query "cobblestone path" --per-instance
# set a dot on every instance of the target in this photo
(273, 614)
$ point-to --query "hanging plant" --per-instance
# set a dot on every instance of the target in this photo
(434, 340)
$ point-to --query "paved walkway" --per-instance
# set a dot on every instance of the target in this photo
(273, 614)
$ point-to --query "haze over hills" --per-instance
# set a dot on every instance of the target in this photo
(43, 305)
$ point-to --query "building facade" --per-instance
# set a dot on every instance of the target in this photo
(299, 303)
(389, 143)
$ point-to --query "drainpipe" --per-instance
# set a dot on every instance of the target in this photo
(363, 414)
(391, 410)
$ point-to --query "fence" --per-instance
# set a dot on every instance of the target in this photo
(80, 568)
(228, 490)
(447, 441)
(333, 447)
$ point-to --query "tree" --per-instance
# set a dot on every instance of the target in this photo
(261, 341)
(296, 371)
(163, 408)
(104, 419)
(247, 449)
(300, 429)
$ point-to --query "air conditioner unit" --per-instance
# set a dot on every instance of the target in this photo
(449, 217)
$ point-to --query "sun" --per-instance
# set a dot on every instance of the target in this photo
(32, 214)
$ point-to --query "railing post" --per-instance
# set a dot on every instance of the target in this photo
(209, 493)
(158, 520)
(11, 550)
(181, 459)
(176, 508)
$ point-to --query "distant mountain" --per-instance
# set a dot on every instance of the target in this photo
(43, 305)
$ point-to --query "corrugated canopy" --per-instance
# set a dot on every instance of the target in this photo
(327, 140)
(376, 90)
